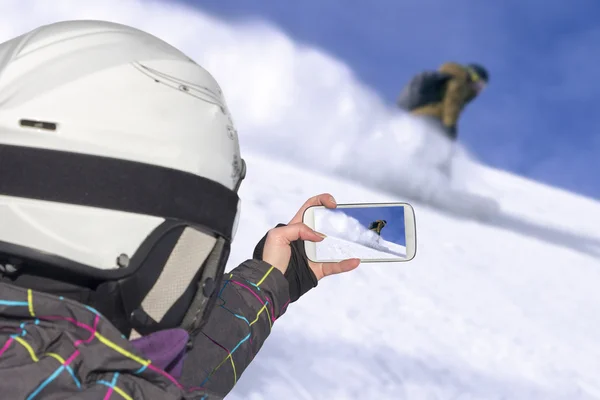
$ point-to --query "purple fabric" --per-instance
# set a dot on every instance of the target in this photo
(166, 349)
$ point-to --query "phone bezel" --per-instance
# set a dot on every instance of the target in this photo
(410, 228)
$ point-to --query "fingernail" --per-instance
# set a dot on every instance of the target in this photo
(320, 234)
(332, 200)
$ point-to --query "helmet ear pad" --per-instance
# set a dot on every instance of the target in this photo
(176, 283)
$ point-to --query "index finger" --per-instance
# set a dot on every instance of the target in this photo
(324, 199)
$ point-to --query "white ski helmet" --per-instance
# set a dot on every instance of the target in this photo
(119, 163)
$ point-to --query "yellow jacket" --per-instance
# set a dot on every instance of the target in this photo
(377, 226)
(458, 93)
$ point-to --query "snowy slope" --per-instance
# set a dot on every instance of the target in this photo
(502, 310)
(482, 312)
(333, 248)
(394, 248)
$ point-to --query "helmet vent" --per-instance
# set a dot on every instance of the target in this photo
(49, 126)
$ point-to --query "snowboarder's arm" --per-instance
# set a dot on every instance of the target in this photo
(454, 97)
(251, 298)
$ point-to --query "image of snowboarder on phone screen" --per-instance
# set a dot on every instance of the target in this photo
(377, 226)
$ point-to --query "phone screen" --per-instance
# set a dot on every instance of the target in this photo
(368, 233)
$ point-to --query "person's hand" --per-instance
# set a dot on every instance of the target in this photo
(283, 248)
(278, 250)
(322, 270)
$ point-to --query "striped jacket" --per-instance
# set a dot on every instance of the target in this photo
(56, 348)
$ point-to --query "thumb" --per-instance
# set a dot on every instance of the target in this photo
(298, 231)
(278, 250)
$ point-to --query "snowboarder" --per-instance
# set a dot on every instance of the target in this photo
(440, 96)
(377, 226)
(119, 206)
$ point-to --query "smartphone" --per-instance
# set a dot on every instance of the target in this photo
(372, 232)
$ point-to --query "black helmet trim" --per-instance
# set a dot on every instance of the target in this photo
(120, 185)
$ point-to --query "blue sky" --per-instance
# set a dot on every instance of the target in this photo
(537, 118)
(394, 230)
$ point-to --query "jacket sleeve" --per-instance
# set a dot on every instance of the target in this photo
(455, 95)
(252, 297)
